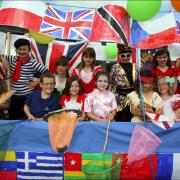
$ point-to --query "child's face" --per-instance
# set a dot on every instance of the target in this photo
(88, 60)
(102, 82)
(47, 85)
(74, 89)
(23, 51)
(162, 86)
(147, 86)
(177, 112)
(61, 69)
(162, 59)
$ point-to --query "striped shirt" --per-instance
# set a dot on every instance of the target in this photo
(26, 74)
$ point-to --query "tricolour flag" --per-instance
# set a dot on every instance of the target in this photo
(111, 23)
(39, 165)
(91, 166)
(22, 14)
(67, 24)
(48, 53)
(8, 165)
(154, 33)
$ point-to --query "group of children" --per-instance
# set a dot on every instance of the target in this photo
(100, 95)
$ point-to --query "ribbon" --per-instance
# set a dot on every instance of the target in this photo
(169, 80)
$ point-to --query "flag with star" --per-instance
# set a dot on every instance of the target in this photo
(91, 166)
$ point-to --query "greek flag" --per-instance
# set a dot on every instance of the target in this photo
(39, 165)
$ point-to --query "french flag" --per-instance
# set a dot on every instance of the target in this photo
(22, 14)
(154, 33)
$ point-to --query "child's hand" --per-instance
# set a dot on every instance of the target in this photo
(31, 117)
(32, 84)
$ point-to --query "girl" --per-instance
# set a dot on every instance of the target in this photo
(100, 105)
(39, 103)
(162, 65)
(165, 89)
(152, 101)
(62, 73)
(122, 81)
(73, 97)
(87, 70)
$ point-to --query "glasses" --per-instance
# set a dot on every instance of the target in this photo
(125, 55)
(46, 84)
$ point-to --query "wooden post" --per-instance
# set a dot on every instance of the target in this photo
(8, 46)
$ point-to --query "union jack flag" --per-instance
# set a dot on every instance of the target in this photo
(67, 25)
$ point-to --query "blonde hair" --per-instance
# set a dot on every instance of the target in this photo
(170, 90)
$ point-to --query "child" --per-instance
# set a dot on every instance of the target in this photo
(162, 65)
(73, 97)
(100, 105)
(62, 73)
(22, 70)
(122, 79)
(39, 103)
(152, 101)
(165, 89)
(87, 70)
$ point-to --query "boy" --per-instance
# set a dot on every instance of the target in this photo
(22, 70)
(39, 103)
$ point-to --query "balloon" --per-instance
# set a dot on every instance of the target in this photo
(142, 10)
(111, 50)
(41, 38)
(176, 4)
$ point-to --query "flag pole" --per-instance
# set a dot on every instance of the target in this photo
(8, 46)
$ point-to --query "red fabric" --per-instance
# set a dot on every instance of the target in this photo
(146, 79)
(8, 175)
(16, 73)
(87, 87)
(72, 161)
(169, 72)
(80, 99)
(139, 170)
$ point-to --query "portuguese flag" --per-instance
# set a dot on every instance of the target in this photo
(91, 166)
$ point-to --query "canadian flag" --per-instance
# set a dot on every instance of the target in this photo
(22, 14)
(160, 120)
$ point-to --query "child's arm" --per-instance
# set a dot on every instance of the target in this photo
(112, 115)
(95, 118)
(83, 117)
(5, 105)
(28, 113)
(5, 63)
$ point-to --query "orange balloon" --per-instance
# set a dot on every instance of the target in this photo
(176, 4)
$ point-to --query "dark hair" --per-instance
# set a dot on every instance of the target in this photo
(145, 73)
(91, 53)
(21, 42)
(123, 48)
(69, 81)
(160, 52)
(47, 75)
(62, 61)
(102, 73)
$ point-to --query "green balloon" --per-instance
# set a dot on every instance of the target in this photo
(142, 10)
(111, 50)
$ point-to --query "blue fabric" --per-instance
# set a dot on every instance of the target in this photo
(38, 106)
(88, 137)
(165, 167)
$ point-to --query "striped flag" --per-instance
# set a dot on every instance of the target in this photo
(48, 53)
(39, 165)
(91, 166)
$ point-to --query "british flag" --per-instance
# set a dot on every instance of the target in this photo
(47, 54)
(67, 25)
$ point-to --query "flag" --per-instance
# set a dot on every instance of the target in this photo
(39, 165)
(22, 14)
(67, 24)
(48, 53)
(160, 120)
(154, 33)
(165, 167)
(91, 166)
(8, 165)
(176, 167)
(178, 30)
(111, 23)
(142, 169)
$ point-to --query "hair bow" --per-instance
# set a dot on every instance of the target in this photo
(169, 80)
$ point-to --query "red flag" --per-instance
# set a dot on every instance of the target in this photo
(8, 175)
(22, 14)
(111, 23)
